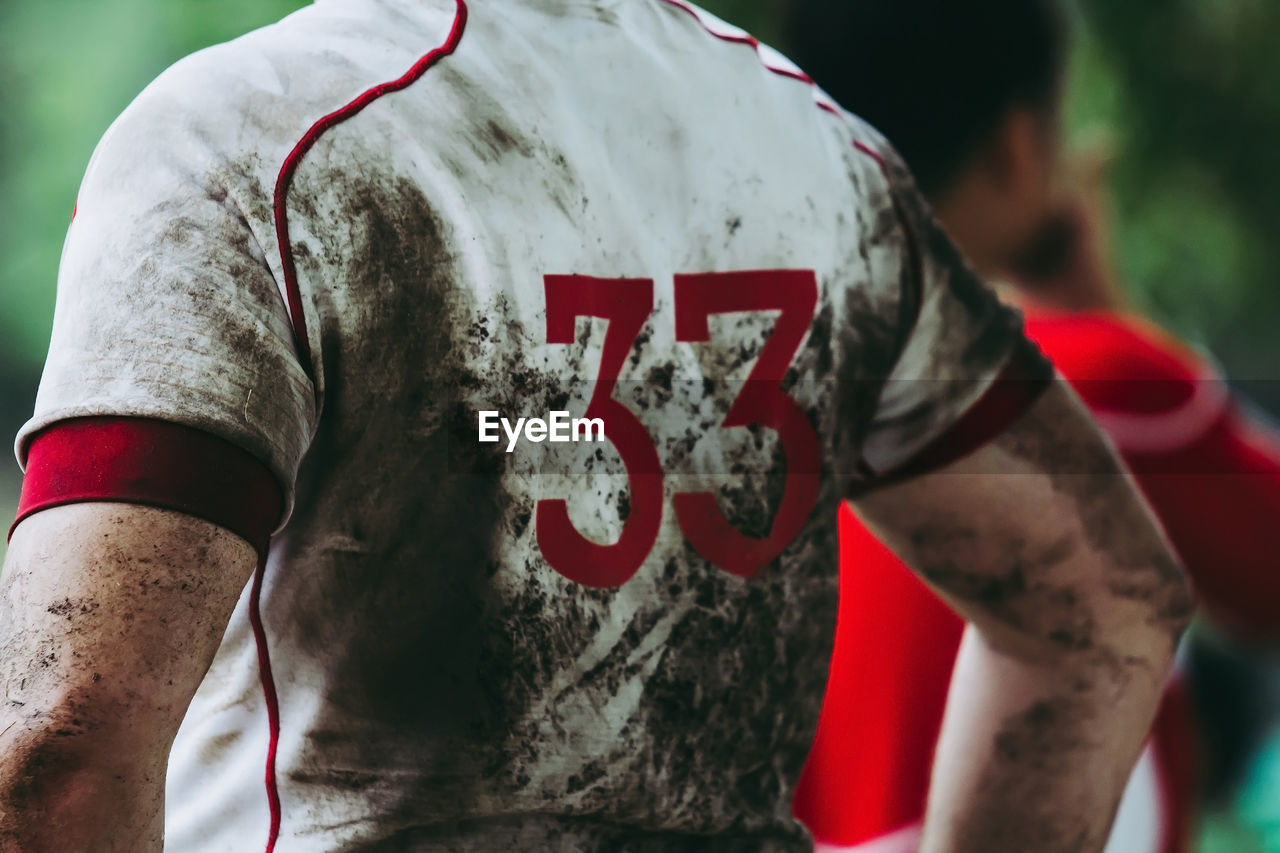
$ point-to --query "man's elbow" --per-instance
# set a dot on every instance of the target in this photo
(63, 738)
(45, 771)
(1156, 590)
(62, 766)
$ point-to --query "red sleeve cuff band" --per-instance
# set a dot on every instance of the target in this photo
(154, 463)
(1026, 376)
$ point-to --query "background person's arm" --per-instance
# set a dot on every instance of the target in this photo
(1042, 542)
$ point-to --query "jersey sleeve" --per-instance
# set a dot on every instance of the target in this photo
(169, 333)
(964, 370)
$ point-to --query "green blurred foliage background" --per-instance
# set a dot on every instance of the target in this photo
(1189, 90)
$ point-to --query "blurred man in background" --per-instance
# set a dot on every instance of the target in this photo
(970, 93)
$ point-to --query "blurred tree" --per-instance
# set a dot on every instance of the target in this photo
(1192, 92)
(69, 68)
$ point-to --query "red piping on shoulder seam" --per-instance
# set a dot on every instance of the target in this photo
(305, 144)
(869, 151)
(303, 344)
(744, 38)
(270, 697)
(754, 44)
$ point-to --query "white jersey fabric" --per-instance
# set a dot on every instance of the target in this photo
(546, 199)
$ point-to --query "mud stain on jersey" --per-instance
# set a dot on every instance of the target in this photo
(864, 346)
(402, 615)
(998, 324)
(500, 142)
(432, 645)
(193, 279)
(458, 669)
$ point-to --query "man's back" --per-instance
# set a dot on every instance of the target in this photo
(598, 209)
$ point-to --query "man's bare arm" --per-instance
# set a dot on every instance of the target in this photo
(1076, 602)
(110, 615)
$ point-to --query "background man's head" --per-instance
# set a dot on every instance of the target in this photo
(968, 91)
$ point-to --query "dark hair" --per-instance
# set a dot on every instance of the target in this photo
(934, 76)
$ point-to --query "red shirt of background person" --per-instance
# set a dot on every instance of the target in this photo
(969, 94)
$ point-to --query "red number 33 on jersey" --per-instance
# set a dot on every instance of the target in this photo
(626, 304)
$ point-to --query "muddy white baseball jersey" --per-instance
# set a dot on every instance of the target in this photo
(344, 244)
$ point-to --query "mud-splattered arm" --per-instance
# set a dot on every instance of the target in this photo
(109, 617)
(1076, 601)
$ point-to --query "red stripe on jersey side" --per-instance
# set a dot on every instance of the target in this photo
(291, 163)
(272, 701)
(298, 319)
(152, 463)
